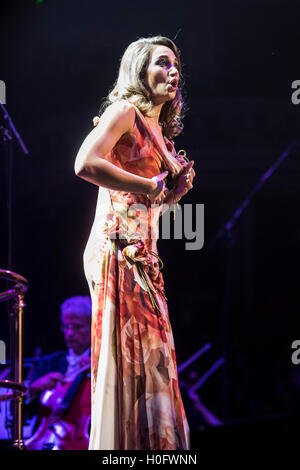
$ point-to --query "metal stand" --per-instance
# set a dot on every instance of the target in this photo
(226, 234)
(8, 133)
(16, 359)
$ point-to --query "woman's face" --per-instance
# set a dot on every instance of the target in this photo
(162, 75)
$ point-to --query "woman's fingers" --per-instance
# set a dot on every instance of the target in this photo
(190, 175)
(185, 169)
(185, 179)
(192, 172)
(183, 185)
(160, 185)
(188, 167)
(161, 176)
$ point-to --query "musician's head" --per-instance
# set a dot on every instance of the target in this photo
(76, 323)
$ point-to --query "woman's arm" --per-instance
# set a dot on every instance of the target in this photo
(90, 164)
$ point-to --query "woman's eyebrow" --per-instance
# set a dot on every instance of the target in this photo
(167, 57)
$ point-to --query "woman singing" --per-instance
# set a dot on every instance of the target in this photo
(136, 401)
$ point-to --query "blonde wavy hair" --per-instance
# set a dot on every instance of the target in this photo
(130, 84)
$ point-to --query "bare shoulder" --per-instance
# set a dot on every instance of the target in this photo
(119, 114)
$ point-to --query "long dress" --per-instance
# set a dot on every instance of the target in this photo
(136, 400)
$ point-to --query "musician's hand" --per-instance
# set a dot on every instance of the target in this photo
(85, 361)
(47, 382)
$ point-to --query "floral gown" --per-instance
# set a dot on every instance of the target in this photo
(136, 401)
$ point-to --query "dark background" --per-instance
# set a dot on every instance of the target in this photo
(58, 59)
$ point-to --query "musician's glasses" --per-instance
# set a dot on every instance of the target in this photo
(70, 326)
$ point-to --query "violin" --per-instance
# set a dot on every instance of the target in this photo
(65, 415)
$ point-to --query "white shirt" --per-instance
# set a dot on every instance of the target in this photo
(74, 363)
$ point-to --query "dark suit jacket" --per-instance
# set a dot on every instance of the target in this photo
(55, 362)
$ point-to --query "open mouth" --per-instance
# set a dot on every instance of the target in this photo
(174, 83)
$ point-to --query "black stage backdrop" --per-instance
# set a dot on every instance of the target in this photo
(59, 58)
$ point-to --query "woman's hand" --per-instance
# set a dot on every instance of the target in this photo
(160, 189)
(184, 180)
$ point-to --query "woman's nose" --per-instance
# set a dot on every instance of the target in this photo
(173, 72)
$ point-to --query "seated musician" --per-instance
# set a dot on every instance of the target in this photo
(59, 376)
(62, 365)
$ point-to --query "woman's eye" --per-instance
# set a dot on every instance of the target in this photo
(166, 62)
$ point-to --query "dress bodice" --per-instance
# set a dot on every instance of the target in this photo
(130, 217)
